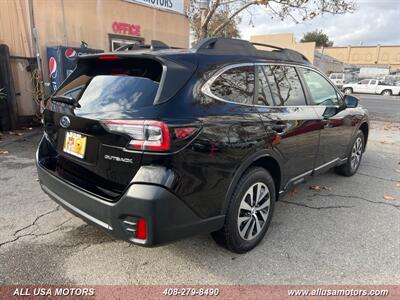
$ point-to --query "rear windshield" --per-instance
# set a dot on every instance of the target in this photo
(111, 86)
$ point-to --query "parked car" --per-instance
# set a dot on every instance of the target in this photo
(392, 79)
(157, 145)
(371, 86)
(339, 79)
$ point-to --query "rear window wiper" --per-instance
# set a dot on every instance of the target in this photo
(67, 100)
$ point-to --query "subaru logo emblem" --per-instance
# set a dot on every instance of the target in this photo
(65, 122)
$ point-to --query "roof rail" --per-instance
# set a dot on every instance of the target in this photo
(226, 46)
(267, 45)
(153, 46)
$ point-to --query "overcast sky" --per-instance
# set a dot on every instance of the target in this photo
(374, 22)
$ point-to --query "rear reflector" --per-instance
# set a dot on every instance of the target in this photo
(141, 230)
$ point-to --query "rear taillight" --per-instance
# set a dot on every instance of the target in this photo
(184, 132)
(146, 135)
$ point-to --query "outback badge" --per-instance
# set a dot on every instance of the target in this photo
(120, 159)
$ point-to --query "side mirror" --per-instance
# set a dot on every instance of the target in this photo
(350, 101)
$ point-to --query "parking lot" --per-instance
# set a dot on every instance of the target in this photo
(329, 230)
(381, 108)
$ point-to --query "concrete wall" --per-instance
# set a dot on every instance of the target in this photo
(15, 27)
(367, 55)
(327, 64)
(286, 40)
(15, 31)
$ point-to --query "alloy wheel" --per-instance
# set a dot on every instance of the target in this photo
(356, 153)
(253, 211)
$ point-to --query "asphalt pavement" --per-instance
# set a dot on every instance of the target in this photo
(381, 108)
(348, 232)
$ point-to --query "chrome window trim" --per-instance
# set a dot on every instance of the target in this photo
(205, 89)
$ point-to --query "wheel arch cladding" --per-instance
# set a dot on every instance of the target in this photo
(365, 130)
(265, 161)
(272, 166)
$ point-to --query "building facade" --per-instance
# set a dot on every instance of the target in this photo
(329, 59)
(323, 61)
(286, 40)
(28, 27)
(367, 56)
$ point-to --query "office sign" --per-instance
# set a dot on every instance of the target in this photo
(126, 28)
(171, 5)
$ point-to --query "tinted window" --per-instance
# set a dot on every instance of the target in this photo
(365, 81)
(332, 77)
(322, 92)
(74, 93)
(372, 82)
(285, 85)
(340, 76)
(264, 96)
(117, 93)
(236, 85)
(114, 85)
(74, 87)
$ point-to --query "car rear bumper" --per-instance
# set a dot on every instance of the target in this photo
(167, 217)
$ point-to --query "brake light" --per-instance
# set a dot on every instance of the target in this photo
(146, 135)
(109, 57)
(141, 229)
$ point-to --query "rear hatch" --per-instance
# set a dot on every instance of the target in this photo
(88, 152)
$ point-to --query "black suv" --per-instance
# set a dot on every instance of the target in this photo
(158, 144)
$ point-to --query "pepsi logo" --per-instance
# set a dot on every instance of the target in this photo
(52, 67)
(70, 54)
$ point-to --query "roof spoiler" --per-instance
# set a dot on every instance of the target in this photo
(153, 46)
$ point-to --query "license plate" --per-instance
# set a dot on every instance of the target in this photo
(75, 144)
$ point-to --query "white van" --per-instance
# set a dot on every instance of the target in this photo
(342, 78)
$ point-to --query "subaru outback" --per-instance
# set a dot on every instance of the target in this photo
(155, 144)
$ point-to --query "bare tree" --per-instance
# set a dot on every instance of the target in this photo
(297, 10)
(231, 30)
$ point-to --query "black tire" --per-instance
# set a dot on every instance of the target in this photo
(348, 91)
(349, 168)
(386, 92)
(230, 235)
